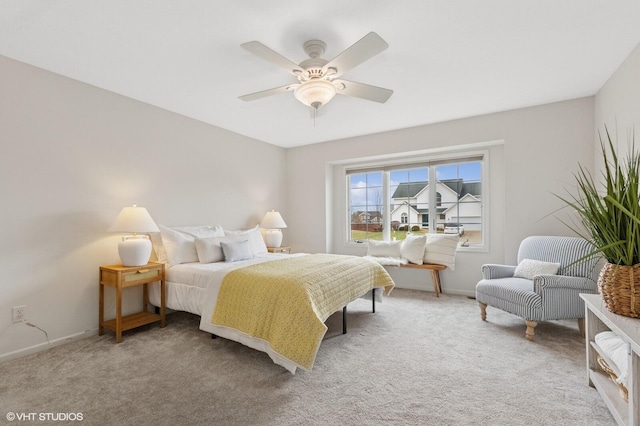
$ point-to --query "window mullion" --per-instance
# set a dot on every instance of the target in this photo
(386, 207)
(433, 207)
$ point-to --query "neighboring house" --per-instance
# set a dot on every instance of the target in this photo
(373, 216)
(366, 220)
(457, 201)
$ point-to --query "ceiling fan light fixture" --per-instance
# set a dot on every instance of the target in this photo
(315, 93)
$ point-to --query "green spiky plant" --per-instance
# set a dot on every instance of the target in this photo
(611, 217)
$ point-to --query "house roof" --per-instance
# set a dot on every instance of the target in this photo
(459, 186)
(446, 60)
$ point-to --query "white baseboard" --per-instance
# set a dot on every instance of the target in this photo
(48, 345)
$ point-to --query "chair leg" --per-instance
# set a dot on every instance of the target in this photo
(531, 325)
(483, 311)
(581, 327)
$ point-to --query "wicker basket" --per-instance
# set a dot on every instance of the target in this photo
(619, 286)
(605, 367)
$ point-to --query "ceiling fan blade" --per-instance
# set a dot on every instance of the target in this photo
(272, 56)
(269, 92)
(365, 48)
(364, 91)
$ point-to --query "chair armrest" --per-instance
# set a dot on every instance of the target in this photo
(491, 271)
(544, 282)
(559, 295)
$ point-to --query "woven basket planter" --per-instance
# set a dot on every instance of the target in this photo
(620, 289)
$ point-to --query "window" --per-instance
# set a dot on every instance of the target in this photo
(438, 196)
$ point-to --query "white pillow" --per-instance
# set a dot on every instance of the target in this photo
(441, 249)
(384, 248)
(158, 247)
(179, 243)
(529, 268)
(239, 250)
(201, 231)
(209, 249)
(413, 248)
(256, 243)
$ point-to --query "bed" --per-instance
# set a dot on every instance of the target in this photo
(274, 303)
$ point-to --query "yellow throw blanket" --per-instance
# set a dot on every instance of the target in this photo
(286, 302)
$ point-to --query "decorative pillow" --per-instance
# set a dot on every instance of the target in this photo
(384, 248)
(209, 249)
(441, 249)
(179, 243)
(239, 250)
(256, 243)
(412, 248)
(529, 268)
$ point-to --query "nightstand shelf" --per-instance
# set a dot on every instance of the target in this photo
(282, 249)
(120, 277)
(132, 321)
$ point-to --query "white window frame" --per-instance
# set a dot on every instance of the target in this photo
(427, 160)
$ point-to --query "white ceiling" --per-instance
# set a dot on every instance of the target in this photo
(446, 59)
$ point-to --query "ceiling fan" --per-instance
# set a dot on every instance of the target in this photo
(318, 79)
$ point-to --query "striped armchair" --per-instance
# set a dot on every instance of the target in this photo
(545, 297)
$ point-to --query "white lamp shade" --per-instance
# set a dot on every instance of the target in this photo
(134, 219)
(134, 250)
(273, 220)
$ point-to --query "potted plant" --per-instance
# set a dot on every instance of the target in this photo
(610, 216)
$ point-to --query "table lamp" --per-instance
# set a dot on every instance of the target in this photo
(134, 250)
(273, 222)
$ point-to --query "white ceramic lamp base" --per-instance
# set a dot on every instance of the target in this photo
(273, 238)
(134, 250)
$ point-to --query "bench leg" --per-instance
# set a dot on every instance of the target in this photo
(435, 277)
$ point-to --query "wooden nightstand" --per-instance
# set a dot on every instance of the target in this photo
(279, 250)
(120, 277)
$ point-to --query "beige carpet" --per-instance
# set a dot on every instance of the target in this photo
(419, 360)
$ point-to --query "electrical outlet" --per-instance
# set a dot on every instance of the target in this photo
(19, 313)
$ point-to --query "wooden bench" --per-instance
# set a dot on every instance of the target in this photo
(435, 273)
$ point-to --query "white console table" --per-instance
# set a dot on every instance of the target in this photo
(598, 319)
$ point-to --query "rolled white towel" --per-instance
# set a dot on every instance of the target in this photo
(617, 350)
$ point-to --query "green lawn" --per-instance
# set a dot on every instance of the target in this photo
(474, 237)
(398, 235)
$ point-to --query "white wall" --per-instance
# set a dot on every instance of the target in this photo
(542, 148)
(617, 104)
(71, 156)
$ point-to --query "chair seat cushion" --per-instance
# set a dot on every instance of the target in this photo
(514, 295)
